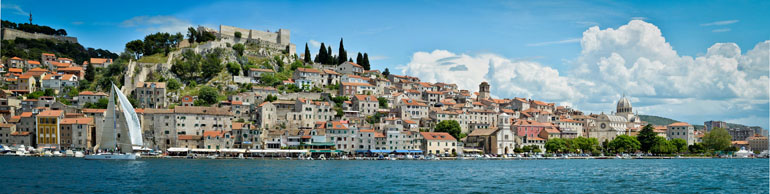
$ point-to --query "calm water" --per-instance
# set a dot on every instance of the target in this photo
(46, 175)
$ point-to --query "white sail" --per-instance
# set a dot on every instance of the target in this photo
(132, 121)
(124, 137)
(108, 140)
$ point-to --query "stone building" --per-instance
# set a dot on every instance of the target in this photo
(151, 95)
(365, 104)
(89, 97)
(77, 133)
(681, 130)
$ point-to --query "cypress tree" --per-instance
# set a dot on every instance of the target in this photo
(321, 54)
(350, 60)
(307, 54)
(329, 58)
(386, 72)
(359, 58)
(366, 62)
(342, 53)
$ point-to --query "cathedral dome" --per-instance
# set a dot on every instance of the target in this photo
(624, 105)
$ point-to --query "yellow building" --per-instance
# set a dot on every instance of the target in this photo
(438, 143)
(48, 128)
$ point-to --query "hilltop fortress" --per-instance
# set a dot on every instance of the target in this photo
(12, 34)
(280, 40)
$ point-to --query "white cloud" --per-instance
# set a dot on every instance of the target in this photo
(168, 24)
(314, 43)
(634, 59)
(721, 30)
(565, 41)
(507, 77)
(16, 9)
(720, 23)
(77, 23)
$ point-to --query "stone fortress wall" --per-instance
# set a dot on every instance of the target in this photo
(279, 40)
(12, 34)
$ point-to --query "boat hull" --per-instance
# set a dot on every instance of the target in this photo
(111, 157)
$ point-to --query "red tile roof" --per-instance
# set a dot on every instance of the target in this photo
(437, 136)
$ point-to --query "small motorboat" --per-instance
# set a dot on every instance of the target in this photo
(79, 154)
(69, 153)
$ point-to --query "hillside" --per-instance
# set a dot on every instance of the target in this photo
(656, 120)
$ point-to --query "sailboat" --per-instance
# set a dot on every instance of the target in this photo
(120, 133)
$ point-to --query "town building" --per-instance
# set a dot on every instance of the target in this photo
(47, 128)
(681, 130)
(151, 95)
(438, 143)
(758, 143)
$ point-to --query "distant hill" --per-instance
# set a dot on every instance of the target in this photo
(656, 120)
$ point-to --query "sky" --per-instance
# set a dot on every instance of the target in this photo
(691, 61)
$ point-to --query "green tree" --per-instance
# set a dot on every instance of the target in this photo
(366, 64)
(359, 58)
(321, 56)
(662, 146)
(343, 55)
(136, 47)
(90, 72)
(330, 59)
(680, 145)
(556, 145)
(449, 126)
(191, 34)
(237, 35)
(646, 137)
(383, 102)
(718, 139)
(386, 72)
(173, 84)
(624, 144)
(207, 96)
(586, 145)
(271, 98)
(234, 68)
(239, 48)
(212, 65)
(307, 55)
(697, 148)
(517, 150)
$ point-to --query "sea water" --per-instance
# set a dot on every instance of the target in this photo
(75, 175)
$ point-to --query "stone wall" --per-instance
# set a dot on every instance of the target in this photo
(12, 34)
(282, 37)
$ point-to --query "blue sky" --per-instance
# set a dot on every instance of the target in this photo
(547, 34)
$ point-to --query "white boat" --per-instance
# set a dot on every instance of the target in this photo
(79, 154)
(47, 153)
(58, 154)
(121, 132)
(110, 156)
(69, 153)
(743, 153)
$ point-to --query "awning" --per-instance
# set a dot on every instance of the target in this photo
(325, 151)
(381, 151)
(415, 151)
(472, 150)
(204, 150)
(402, 151)
(233, 150)
(177, 149)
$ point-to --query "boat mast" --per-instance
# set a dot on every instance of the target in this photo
(114, 120)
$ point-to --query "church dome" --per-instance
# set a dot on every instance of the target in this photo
(624, 105)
